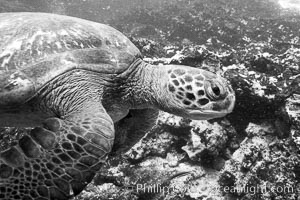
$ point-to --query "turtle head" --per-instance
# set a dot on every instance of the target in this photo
(197, 94)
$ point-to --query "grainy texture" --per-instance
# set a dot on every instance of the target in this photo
(256, 44)
(72, 79)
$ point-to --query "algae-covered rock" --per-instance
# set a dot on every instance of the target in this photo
(207, 139)
(252, 153)
(173, 156)
(263, 167)
(293, 110)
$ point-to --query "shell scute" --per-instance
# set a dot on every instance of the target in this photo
(40, 46)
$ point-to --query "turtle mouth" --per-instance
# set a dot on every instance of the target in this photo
(206, 115)
(202, 114)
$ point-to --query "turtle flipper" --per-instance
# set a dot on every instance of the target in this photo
(58, 160)
(132, 128)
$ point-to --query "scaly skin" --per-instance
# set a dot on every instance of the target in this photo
(178, 89)
(73, 79)
(57, 160)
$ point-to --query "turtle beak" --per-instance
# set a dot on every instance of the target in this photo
(215, 110)
(200, 115)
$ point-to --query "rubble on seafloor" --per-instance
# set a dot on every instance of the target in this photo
(250, 154)
(174, 147)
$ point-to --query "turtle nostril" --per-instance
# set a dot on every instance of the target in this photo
(216, 90)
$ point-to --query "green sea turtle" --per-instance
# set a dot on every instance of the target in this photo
(73, 80)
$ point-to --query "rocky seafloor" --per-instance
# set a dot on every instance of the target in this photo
(252, 153)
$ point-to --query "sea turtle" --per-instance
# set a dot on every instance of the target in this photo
(73, 80)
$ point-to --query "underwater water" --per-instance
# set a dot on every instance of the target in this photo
(252, 153)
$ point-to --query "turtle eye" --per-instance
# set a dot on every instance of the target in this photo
(214, 90)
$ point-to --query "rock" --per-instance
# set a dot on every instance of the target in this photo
(293, 110)
(206, 139)
(170, 148)
(218, 163)
(259, 130)
(241, 156)
(166, 119)
(263, 164)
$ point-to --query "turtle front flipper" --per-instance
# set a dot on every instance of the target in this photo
(58, 160)
(132, 128)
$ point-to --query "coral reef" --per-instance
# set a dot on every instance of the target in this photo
(253, 153)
